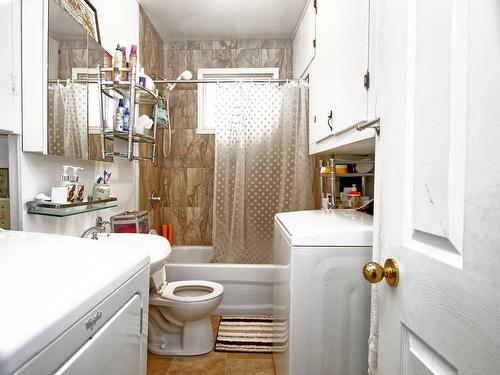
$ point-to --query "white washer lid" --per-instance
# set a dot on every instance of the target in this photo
(169, 289)
(326, 228)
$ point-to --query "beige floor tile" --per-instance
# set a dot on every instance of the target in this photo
(158, 365)
(238, 355)
(202, 365)
(249, 367)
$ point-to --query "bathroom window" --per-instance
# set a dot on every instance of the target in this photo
(207, 92)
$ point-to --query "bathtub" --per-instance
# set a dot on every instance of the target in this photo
(248, 288)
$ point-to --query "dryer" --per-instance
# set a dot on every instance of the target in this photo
(321, 303)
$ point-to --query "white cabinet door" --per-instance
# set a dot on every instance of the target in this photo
(114, 349)
(304, 41)
(439, 157)
(10, 63)
(340, 66)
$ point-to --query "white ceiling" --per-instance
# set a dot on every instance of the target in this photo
(224, 19)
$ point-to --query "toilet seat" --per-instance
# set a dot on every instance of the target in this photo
(213, 290)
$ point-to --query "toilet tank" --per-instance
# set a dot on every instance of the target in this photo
(321, 303)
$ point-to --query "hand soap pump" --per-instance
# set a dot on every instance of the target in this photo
(60, 190)
(76, 188)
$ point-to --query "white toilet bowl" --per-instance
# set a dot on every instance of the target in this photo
(179, 317)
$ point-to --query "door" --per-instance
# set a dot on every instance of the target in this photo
(439, 186)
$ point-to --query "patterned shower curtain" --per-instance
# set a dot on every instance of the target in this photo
(262, 166)
(67, 119)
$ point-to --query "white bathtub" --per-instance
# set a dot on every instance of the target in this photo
(248, 288)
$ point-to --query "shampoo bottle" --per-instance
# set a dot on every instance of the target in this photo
(119, 117)
(117, 63)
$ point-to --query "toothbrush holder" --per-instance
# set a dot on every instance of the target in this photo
(100, 192)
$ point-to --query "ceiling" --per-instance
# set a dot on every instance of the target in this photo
(224, 19)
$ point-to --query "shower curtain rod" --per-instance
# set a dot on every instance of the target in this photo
(246, 80)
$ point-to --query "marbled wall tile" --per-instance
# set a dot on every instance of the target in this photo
(183, 104)
(251, 44)
(249, 58)
(195, 225)
(150, 46)
(289, 62)
(72, 44)
(222, 58)
(199, 187)
(226, 44)
(175, 62)
(176, 45)
(199, 59)
(274, 58)
(177, 216)
(277, 43)
(174, 187)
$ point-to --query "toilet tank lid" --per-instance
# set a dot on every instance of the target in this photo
(326, 228)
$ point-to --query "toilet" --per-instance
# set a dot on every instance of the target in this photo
(180, 315)
(179, 311)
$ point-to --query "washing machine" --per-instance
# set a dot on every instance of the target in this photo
(72, 306)
(321, 303)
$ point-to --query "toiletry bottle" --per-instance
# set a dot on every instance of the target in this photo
(354, 197)
(126, 120)
(76, 188)
(142, 78)
(108, 64)
(60, 189)
(132, 60)
(117, 63)
(119, 116)
(124, 63)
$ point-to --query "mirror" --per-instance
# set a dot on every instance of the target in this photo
(74, 125)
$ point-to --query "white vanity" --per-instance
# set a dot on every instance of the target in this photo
(321, 303)
(72, 305)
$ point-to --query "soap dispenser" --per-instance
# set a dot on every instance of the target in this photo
(354, 197)
(60, 190)
(76, 189)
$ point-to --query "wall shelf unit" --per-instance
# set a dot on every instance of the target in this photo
(138, 95)
(47, 208)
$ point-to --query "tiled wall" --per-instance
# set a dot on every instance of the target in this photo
(151, 58)
(186, 176)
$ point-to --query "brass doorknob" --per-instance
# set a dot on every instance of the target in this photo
(374, 272)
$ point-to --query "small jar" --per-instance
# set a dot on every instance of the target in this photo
(100, 192)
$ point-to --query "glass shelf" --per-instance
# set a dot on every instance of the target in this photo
(47, 208)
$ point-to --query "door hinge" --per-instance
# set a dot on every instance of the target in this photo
(314, 43)
(366, 80)
(315, 5)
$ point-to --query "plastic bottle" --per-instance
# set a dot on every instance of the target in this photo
(126, 120)
(132, 59)
(354, 197)
(117, 63)
(124, 63)
(119, 117)
(76, 188)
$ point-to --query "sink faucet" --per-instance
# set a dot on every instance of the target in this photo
(99, 227)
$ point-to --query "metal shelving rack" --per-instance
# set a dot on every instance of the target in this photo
(138, 95)
(333, 175)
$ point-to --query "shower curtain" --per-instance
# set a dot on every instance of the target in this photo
(262, 166)
(67, 120)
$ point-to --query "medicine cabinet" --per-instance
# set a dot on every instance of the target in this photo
(61, 94)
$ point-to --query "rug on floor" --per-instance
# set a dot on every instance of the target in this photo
(251, 334)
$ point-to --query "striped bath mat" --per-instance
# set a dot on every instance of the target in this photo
(251, 334)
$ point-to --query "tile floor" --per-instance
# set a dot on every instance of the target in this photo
(214, 363)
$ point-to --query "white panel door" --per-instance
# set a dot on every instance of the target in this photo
(439, 100)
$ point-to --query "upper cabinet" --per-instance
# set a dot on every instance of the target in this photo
(61, 112)
(339, 83)
(304, 41)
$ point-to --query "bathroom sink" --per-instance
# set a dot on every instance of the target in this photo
(157, 247)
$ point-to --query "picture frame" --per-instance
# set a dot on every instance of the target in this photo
(85, 14)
